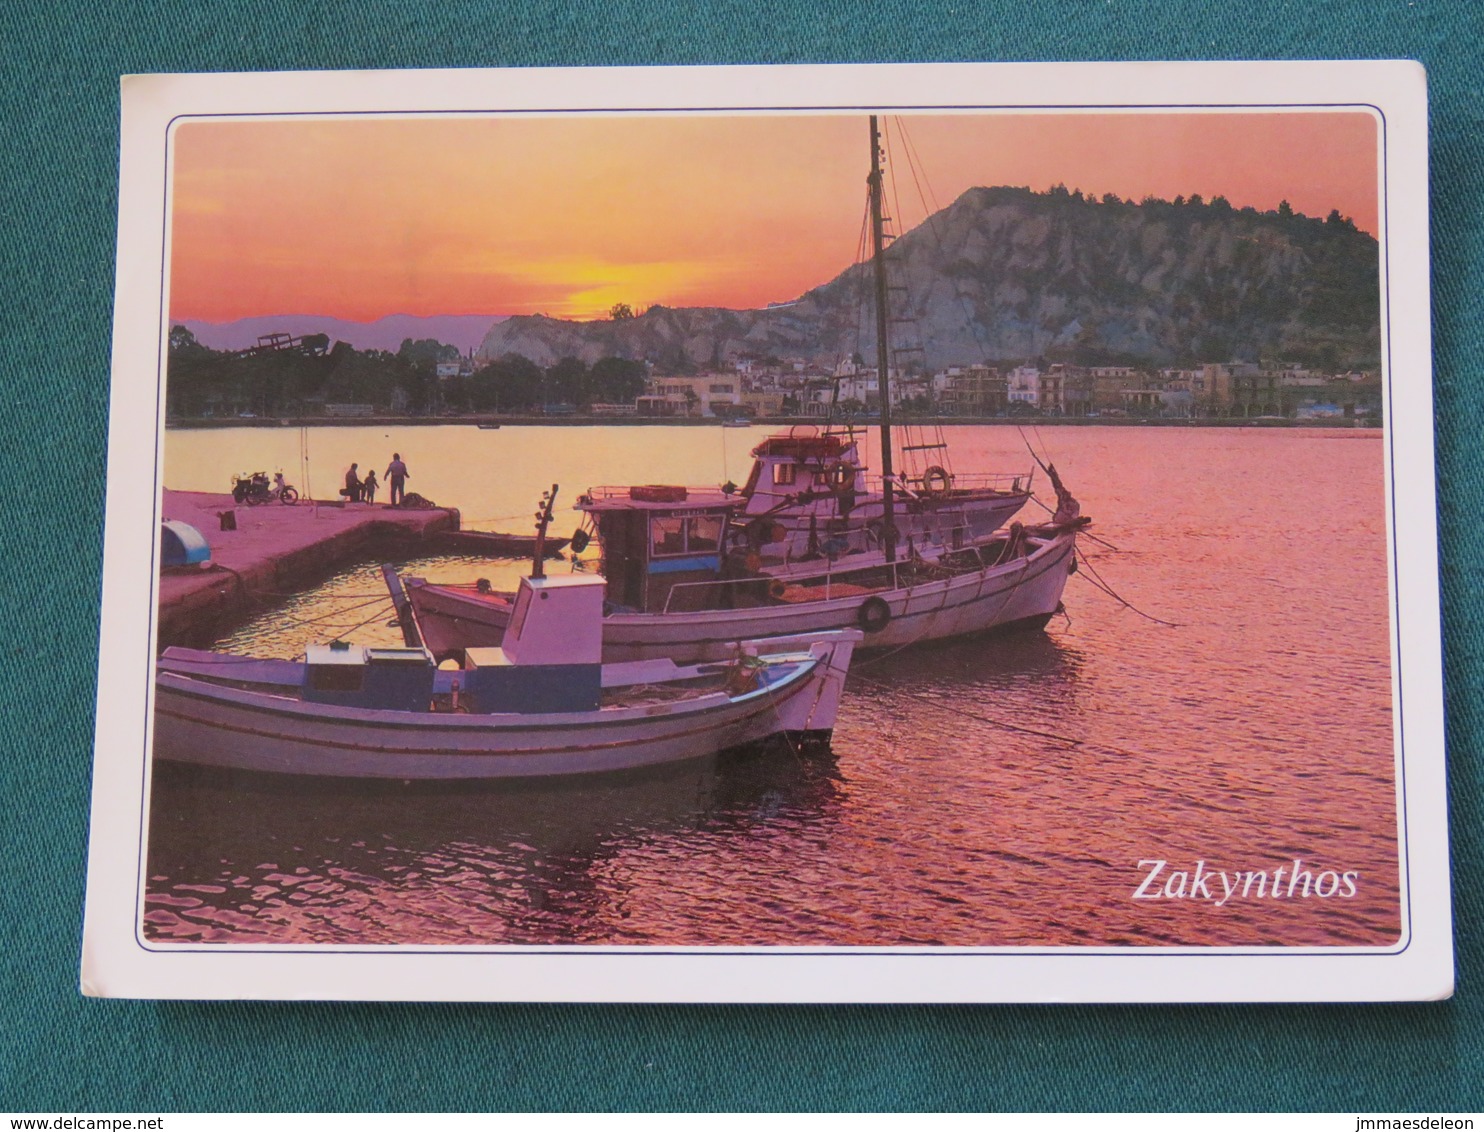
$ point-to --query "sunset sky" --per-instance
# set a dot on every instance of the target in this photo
(360, 218)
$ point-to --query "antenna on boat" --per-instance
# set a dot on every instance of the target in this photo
(888, 510)
(543, 518)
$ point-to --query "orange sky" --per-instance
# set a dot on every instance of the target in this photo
(359, 218)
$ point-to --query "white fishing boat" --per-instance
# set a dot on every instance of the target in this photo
(542, 704)
(809, 494)
(1008, 583)
(687, 571)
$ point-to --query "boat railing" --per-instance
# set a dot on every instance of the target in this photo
(625, 492)
(832, 579)
(926, 484)
(695, 597)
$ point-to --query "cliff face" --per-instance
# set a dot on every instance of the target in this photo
(1005, 274)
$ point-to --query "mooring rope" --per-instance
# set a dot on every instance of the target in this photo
(1102, 585)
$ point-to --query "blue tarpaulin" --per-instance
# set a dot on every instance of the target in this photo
(182, 544)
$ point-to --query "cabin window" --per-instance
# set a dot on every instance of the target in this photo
(783, 474)
(667, 535)
(703, 533)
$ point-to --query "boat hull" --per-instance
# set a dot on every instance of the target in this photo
(1024, 594)
(248, 729)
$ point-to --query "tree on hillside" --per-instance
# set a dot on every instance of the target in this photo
(620, 311)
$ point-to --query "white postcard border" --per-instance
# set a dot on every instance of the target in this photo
(116, 961)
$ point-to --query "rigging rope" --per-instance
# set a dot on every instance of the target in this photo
(913, 162)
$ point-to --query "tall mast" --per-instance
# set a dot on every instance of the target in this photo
(888, 510)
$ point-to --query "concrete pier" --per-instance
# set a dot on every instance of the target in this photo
(275, 550)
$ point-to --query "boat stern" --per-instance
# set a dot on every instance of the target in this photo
(810, 715)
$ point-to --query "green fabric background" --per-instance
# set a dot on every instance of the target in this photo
(58, 169)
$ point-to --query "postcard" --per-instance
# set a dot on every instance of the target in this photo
(956, 533)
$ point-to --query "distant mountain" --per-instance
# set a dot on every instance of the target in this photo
(1006, 273)
(462, 330)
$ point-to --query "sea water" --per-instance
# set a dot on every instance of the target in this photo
(1224, 775)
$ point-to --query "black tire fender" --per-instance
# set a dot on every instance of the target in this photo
(873, 615)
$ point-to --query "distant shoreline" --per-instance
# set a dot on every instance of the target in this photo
(576, 420)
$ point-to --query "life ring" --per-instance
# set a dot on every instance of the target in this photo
(840, 477)
(580, 539)
(936, 481)
(483, 585)
(873, 615)
(776, 589)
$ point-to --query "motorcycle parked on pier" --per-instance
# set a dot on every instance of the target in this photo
(253, 489)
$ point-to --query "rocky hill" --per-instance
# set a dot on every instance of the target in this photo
(1007, 274)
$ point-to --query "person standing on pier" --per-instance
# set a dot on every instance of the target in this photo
(396, 474)
(368, 487)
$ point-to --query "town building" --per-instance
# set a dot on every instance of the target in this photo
(698, 396)
(1023, 386)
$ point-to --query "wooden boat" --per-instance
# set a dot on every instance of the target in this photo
(541, 705)
(808, 486)
(1011, 582)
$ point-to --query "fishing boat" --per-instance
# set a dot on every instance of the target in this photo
(542, 704)
(1014, 581)
(811, 482)
(809, 492)
(686, 570)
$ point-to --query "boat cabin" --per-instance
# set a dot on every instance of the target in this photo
(551, 658)
(657, 540)
(802, 460)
